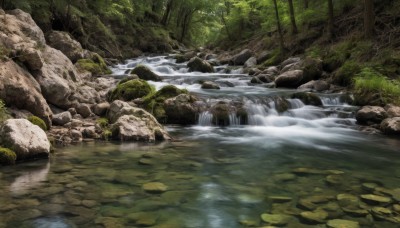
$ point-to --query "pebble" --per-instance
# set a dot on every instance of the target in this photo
(155, 187)
(276, 219)
(341, 223)
(375, 199)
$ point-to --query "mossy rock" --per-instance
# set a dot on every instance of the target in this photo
(346, 74)
(308, 98)
(7, 156)
(131, 90)
(93, 67)
(38, 122)
(312, 69)
(276, 58)
(145, 73)
(221, 112)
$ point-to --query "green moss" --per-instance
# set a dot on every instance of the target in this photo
(38, 122)
(7, 156)
(102, 122)
(131, 90)
(373, 88)
(96, 65)
(145, 73)
(346, 74)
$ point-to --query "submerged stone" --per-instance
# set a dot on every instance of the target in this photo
(375, 199)
(280, 199)
(155, 187)
(276, 219)
(341, 223)
(314, 217)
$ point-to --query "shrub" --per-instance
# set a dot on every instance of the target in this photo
(7, 156)
(131, 90)
(373, 88)
(38, 122)
(345, 75)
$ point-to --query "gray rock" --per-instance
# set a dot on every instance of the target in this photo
(76, 135)
(318, 86)
(71, 48)
(145, 73)
(290, 79)
(83, 110)
(375, 199)
(90, 132)
(26, 139)
(391, 126)
(242, 57)
(155, 187)
(101, 109)
(290, 61)
(199, 65)
(32, 59)
(181, 109)
(314, 217)
(392, 111)
(371, 114)
(210, 85)
(251, 62)
(62, 118)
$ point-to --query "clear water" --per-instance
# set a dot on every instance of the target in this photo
(216, 176)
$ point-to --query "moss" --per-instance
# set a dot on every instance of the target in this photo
(131, 90)
(7, 156)
(345, 75)
(102, 122)
(96, 65)
(107, 134)
(145, 73)
(38, 122)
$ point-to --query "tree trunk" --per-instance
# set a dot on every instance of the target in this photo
(369, 19)
(167, 13)
(278, 23)
(330, 19)
(305, 4)
(292, 17)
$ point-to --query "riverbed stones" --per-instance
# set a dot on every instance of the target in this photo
(341, 223)
(155, 187)
(62, 118)
(276, 219)
(375, 199)
(251, 62)
(26, 139)
(280, 199)
(347, 200)
(182, 109)
(371, 114)
(242, 57)
(210, 85)
(314, 217)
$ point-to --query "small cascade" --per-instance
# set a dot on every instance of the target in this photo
(295, 103)
(205, 119)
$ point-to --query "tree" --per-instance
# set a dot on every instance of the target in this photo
(369, 19)
(330, 19)
(305, 4)
(278, 23)
(292, 17)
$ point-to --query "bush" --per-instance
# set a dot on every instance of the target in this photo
(38, 122)
(7, 156)
(373, 88)
(131, 90)
(102, 122)
(3, 112)
(346, 74)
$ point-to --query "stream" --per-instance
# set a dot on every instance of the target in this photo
(281, 163)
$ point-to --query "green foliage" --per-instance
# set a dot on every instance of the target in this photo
(371, 87)
(131, 90)
(3, 112)
(345, 75)
(102, 122)
(96, 65)
(276, 58)
(7, 156)
(38, 122)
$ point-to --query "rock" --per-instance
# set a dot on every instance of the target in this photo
(334, 179)
(276, 219)
(341, 223)
(312, 68)
(290, 79)
(83, 110)
(314, 217)
(347, 200)
(392, 111)
(371, 114)
(308, 98)
(355, 212)
(199, 65)
(251, 62)
(62, 118)
(242, 57)
(26, 139)
(381, 211)
(264, 56)
(280, 199)
(90, 132)
(131, 90)
(263, 78)
(221, 113)
(369, 187)
(210, 85)
(155, 187)
(101, 109)
(145, 73)
(32, 58)
(391, 126)
(319, 86)
(76, 135)
(19, 88)
(290, 61)
(71, 48)
(375, 199)
(181, 109)
(72, 111)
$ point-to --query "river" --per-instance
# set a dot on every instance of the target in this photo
(214, 176)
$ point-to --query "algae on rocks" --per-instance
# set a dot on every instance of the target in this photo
(131, 90)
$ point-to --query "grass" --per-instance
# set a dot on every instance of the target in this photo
(371, 82)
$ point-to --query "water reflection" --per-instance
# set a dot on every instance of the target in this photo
(29, 180)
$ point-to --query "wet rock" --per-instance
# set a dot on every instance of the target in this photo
(145, 73)
(248, 223)
(280, 199)
(90, 132)
(182, 109)
(29, 214)
(62, 118)
(334, 179)
(199, 65)
(381, 211)
(371, 114)
(318, 85)
(263, 78)
(306, 205)
(26, 139)
(155, 187)
(308, 98)
(109, 222)
(391, 126)
(276, 219)
(347, 200)
(251, 62)
(290, 79)
(142, 219)
(308, 171)
(71, 48)
(375, 199)
(341, 223)
(314, 217)
(76, 135)
(242, 57)
(221, 112)
(210, 85)
(396, 208)
(369, 186)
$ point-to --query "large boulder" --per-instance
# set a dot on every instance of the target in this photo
(181, 109)
(145, 73)
(242, 57)
(392, 111)
(371, 114)
(197, 64)
(251, 62)
(391, 126)
(19, 89)
(290, 79)
(131, 90)
(71, 48)
(26, 139)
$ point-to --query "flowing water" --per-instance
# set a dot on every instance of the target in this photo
(215, 176)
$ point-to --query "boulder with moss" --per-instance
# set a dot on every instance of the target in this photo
(290, 79)
(199, 65)
(131, 90)
(7, 156)
(145, 73)
(96, 65)
(26, 139)
(182, 109)
(38, 122)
